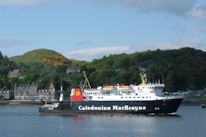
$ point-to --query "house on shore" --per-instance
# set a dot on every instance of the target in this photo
(6, 94)
(13, 74)
(33, 92)
(72, 70)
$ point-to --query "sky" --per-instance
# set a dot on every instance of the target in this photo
(89, 29)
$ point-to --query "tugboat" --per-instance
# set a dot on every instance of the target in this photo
(144, 98)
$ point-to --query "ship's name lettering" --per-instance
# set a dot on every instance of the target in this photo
(114, 107)
(94, 108)
(126, 107)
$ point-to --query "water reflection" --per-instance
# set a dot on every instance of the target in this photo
(166, 115)
(127, 124)
(78, 122)
(24, 120)
(123, 125)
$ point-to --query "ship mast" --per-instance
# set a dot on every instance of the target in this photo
(61, 92)
(86, 81)
(61, 98)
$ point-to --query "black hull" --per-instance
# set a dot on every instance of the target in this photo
(113, 107)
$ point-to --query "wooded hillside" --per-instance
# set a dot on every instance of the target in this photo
(179, 69)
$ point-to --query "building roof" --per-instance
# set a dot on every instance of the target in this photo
(13, 74)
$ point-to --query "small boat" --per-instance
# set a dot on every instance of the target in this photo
(203, 105)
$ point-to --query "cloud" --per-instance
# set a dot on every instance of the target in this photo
(198, 12)
(84, 43)
(90, 54)
(21, 3)
(10, 42)
(31, 3)
(184, 8)
(170, 6)
(199, 43)
(95, 53)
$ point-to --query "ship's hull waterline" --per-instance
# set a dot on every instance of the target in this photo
(113, 107)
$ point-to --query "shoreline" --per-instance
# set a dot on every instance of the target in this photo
(39, 102)
(194, 101)
(23, 102)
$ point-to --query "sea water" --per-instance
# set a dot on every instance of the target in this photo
(24, 121)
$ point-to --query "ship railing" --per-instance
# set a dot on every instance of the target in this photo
(171, 94)
(89, 89)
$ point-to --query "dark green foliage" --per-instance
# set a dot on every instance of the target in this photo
(178, 69)
(43, 66)
(36, 73)
(41, 74)
(5, 67)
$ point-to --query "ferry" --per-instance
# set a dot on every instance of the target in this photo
(145, 98)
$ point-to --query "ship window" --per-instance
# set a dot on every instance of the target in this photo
(121, 97)
(134, 97)
(129, 97)
(142, 97)
(138, 97)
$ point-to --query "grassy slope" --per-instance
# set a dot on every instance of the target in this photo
(38, 55)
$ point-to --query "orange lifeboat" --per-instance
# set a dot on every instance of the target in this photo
(124, 87)
(108, 87)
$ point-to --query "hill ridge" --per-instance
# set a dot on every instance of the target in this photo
(46, 56)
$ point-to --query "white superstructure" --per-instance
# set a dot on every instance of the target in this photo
(142, 92)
